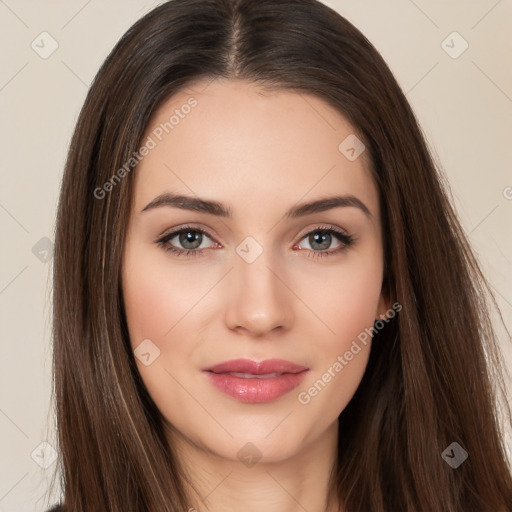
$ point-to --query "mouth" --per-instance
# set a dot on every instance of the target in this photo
(251, 375)
(256, 382)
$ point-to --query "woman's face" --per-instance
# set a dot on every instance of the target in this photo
(250, 280)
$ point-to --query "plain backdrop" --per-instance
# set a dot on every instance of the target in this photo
(461, 96)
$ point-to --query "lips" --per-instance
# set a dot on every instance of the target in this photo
(256, 382)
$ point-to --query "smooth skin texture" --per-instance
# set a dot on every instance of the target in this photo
(259, 153)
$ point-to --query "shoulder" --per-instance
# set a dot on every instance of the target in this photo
(56, 508)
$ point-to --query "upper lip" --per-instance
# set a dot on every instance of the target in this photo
(256, 368)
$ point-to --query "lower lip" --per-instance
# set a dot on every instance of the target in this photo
(256, 391)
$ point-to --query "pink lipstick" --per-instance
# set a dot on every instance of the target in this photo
(256, 382)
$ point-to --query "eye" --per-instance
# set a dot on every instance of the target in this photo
(191, 240)
(189, 237)
(321, 238)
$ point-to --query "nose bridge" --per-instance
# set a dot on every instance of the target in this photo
(260, 301)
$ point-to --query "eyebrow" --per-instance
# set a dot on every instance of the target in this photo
(215, 208)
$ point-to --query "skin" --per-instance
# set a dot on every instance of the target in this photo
(259, 153)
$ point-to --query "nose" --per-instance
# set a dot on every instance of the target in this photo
(259, 300)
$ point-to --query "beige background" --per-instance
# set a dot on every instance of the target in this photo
(464, 105)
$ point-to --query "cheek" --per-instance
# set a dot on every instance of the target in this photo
(159, 300)
(343, 299)
(347, 305)
(166, 302)
(159, 304)
(354, 301)
(157, 295)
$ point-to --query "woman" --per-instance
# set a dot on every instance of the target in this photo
(262, 295)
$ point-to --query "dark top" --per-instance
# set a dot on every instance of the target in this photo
(56, 508)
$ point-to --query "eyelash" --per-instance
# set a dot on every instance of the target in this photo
(345, 239)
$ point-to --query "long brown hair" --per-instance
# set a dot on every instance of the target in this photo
(435, 372)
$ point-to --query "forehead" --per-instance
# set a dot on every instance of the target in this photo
(237, 142)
